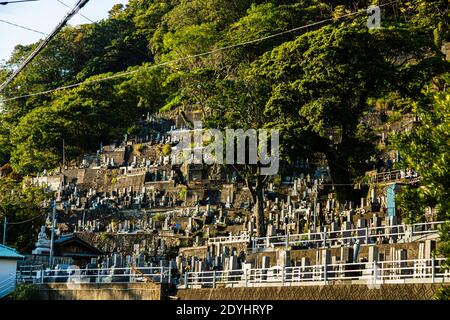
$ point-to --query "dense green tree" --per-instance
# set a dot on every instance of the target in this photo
(317, 84)
(22, 204)
(426, 149)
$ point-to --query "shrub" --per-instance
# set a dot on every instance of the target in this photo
(166, 149)
(442, 293)
(25, 291)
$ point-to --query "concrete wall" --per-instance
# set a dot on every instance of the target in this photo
(329, 292)
(100, 291)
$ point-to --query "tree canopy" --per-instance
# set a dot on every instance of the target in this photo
(318, 85)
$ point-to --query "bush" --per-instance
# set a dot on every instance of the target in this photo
(443, 293)
(25, 291)
(167, 149)
(159, 217)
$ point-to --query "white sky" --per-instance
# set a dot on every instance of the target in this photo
(43, 15)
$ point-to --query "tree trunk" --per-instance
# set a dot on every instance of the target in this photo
(258, 205)
(258, 212)
(340, 176)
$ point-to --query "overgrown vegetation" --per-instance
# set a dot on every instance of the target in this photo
(25, 291)
(316, 85)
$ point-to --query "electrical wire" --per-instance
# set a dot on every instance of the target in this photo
(79, 5)
(28, 220)
(23, 27)
(17, 1)
(125, 73)
(66, 5)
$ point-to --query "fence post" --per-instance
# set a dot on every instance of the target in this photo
(170, 272)
(374, 272)
(432, 268)
(246, 278)
(214, 279)
(324, 238)
(282, 275)
(367, 235)
(185, 279)
(325, 272)
(162, 274)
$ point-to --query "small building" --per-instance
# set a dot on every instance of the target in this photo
(8, 269)
(72, 246)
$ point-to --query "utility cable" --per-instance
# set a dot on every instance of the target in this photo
(23, 27)
(125, 73)
(80, 4)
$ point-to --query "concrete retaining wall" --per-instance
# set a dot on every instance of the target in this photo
(101, 291)
(331, 292)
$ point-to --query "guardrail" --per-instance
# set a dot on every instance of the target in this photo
(229, 239)
(370, 273)
(99, 275)
(339, 237)
(395, 175)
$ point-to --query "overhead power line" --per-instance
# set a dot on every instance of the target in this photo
(66, 5)
(241, 44)
(28, 220)
(80, 4)
(23, 27)
(8, 2)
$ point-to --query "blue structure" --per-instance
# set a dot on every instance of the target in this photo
(9, 253)
(390, 199)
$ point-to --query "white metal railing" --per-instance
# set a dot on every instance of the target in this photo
(394, 175)
(370, 273)
(364, 235)
(230, 239)
(98, 275)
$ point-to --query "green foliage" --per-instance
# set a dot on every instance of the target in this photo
(25, 291)
(444, 248)
(412, 204)
(442, 293)
(158, 217)
(166, 149)
(277, 180)
(183, 192)
(316, 85)
(426, 149)
(19, 201)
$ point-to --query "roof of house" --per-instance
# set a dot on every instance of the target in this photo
(75, 239)
(9, 253)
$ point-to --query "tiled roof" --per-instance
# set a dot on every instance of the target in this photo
(9, 253)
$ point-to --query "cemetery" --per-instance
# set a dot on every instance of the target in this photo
(216, 149)
(127, 215)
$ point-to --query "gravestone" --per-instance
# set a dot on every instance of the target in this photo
(346, 226)
(430, 246)
(284, 258)
(373, 254)
(233, 263)
(347, 254)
